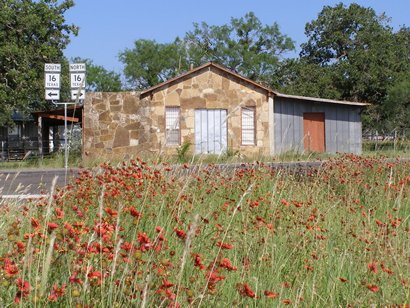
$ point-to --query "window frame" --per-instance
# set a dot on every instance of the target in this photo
(248, 129)
(168, 126)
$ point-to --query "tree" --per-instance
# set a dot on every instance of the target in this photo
(245, 46)
(397, 105)
(150, 63)
(31, 33)
(99, 79)
(359, 52)
(297, 76)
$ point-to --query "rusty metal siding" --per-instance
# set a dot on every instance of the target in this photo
(343, 131)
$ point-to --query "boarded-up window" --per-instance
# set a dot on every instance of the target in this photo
(172, 125)
(248, 126)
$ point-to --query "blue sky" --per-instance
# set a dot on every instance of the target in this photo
(108, 27)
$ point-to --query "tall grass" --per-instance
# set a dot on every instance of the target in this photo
(147, 235)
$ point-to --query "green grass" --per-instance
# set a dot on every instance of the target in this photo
(143, 235)
(55, 160)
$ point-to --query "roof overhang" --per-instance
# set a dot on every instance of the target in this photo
(321, 100)
(56, 116)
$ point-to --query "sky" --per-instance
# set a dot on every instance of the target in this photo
(108, 27)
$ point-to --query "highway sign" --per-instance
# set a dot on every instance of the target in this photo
(75, 92)
(52, 68)
(77, 80)
(52, 94)
(52, 80)
(77, 67)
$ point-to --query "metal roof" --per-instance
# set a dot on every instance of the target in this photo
(322, 100)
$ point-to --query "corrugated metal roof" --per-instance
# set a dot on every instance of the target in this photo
(322, 100)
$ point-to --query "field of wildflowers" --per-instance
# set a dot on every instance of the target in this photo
(139, 235)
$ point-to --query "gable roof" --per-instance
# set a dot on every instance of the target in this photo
(208, 65)
(269, 91)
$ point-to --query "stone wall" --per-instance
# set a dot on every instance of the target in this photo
(125, 124)
(118, 125)
(211, 88)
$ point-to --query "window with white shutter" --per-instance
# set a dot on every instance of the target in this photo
(248, 125)
(172, 125)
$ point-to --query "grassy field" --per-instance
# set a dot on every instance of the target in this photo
(142, 235)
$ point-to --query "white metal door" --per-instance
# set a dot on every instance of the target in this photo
(210, 131)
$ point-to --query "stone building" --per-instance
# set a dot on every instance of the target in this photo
(216, 110)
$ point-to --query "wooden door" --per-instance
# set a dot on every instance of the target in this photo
(210, 131)
(314, 131)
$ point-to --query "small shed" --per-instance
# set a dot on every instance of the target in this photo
(217, 110)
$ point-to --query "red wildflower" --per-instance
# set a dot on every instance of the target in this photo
(245, 290)
(56, 292)
(226, 263)
(111, 212)
(166, 284)
(10, 268)
(270, 294)
(224, 245)
(373, 287)
(95, 277)
(197, 261)
(23, 289)
(21, 247)
(213, 277)
(372, 266)
(287, 302)
(180, 233)
(134, 213)
(51, 226)
(284, 202)
(35, 223)
(343, 279)
(385, 269)
(74, 279)
(379, 223)
(59, 213)
(144, 240)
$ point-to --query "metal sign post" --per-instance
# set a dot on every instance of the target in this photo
(52, 93)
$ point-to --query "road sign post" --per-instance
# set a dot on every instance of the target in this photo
(52, 92)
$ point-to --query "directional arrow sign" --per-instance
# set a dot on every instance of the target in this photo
(52, 94)
(75, 92)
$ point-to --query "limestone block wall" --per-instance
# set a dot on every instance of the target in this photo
(118, 125)
(213, 89)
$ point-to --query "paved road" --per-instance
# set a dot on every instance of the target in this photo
(34, 182)
(15, 182)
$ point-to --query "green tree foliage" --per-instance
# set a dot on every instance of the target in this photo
(31, 33)
(245, 46)
(355, 54)
(150, 63)
(397, 105)
(99, 79)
